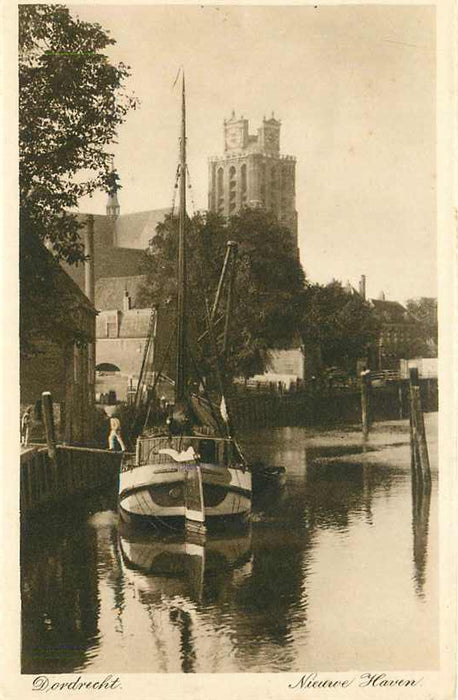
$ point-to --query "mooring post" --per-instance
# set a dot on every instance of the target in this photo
(422, 443)
(365, 402)
(415, 457)
(48, 418)
(420, 457)
(401, 410)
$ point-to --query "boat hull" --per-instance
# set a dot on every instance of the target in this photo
(157, 491)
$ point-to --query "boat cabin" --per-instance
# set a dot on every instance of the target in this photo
(210, 450)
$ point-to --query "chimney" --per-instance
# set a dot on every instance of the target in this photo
(381, 296)
(126, 302)
(362, 287)
(89, 276)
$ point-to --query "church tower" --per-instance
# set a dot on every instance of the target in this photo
(113, 209)
(253, 173)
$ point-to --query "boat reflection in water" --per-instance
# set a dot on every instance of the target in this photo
(181, 564)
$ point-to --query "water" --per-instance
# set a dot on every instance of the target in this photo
(338, 571)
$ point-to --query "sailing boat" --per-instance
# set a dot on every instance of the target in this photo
(192, 472)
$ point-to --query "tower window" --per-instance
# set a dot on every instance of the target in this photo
(232, 181)
(243, 177)
(220, 182)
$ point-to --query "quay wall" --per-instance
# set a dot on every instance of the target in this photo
(74, 471)
(306, 407)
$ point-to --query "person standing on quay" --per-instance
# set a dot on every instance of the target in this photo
(25, 426)
(115, 438)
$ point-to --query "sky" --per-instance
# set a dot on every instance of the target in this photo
(354, 87)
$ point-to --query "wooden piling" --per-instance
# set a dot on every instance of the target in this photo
(421, 469)
(421, 437)
(73, 472)
(365, 402)
(48, 418)
(400, 404)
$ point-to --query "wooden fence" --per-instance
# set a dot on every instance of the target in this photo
(321, 405)
(74, 471)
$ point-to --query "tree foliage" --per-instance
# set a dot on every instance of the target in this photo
(341, 324)
(268, 287)
(71, 103)
(424, 310)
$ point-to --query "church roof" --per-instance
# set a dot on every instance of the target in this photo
(137, 229)
(391, 311)
(110, 291)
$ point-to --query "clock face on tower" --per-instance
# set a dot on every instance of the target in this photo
(271, 139)
(232, 138)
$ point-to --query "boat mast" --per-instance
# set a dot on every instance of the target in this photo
(180, 376)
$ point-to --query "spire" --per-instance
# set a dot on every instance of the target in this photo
(113, 207)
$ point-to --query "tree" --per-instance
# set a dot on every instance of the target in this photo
(268, 288)
(424, 310)
(71, 103)
(342, 325)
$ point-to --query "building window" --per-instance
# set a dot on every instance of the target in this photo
(220, 183)
(273, 189)
(243, 178)
(232, 188)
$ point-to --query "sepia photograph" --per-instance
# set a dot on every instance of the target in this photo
(231, 346)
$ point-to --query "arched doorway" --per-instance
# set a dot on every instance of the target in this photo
(106, 367)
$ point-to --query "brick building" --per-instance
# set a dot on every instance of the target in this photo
(66, 369)
(253, 173)
(116, 245)
(398, 332)
(122, 330)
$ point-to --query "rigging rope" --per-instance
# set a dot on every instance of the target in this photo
(164, 359)
(175, 188)
(191, 191)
